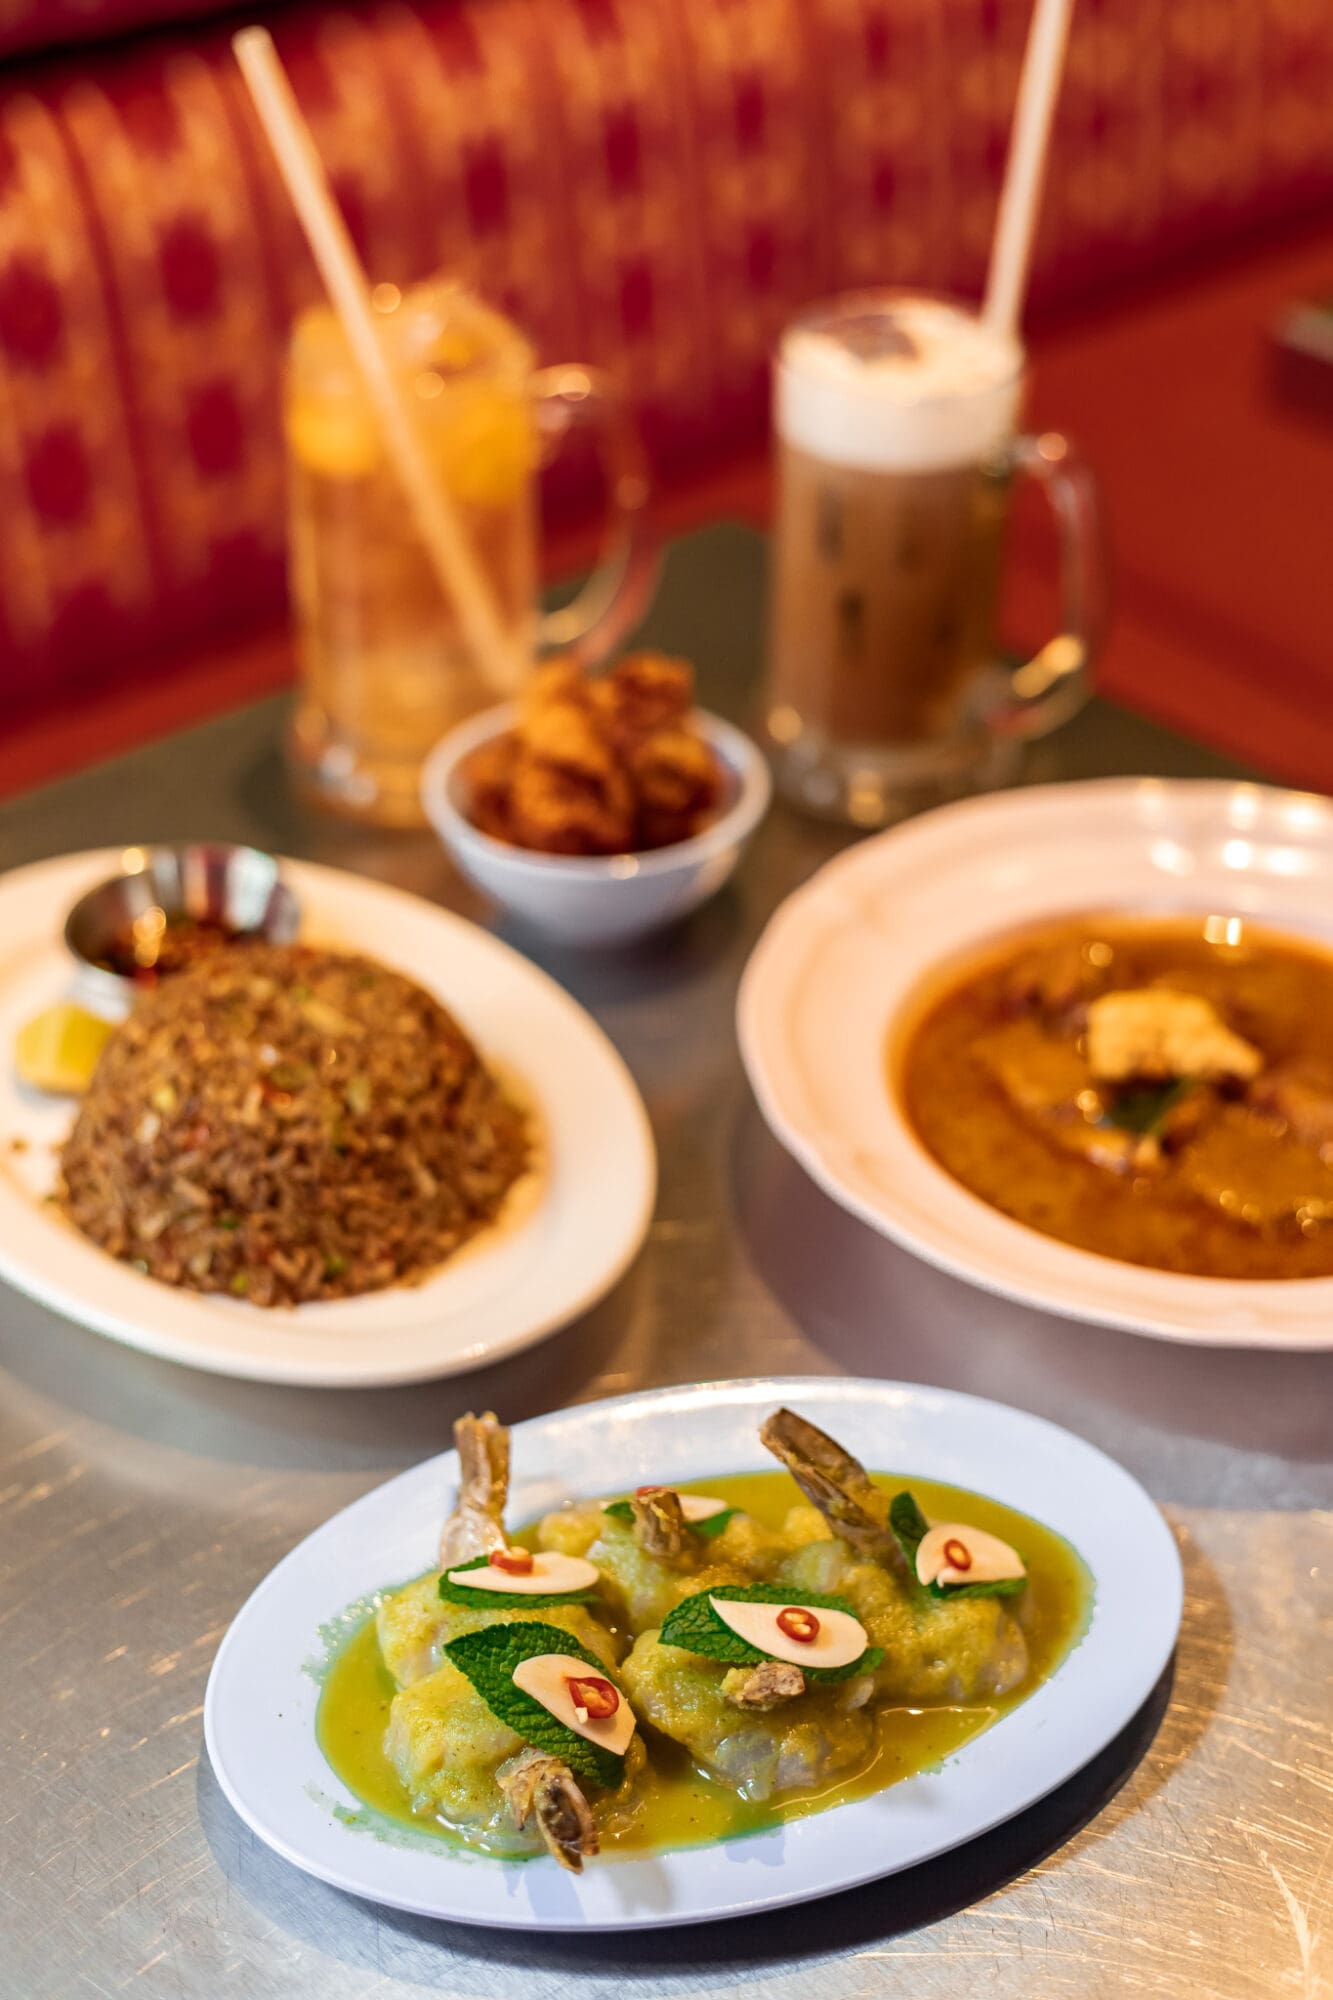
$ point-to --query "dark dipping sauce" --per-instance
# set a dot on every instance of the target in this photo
(155, 945)
(1236, 1180)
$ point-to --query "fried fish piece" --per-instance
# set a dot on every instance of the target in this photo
(556, 813)
(597, 766)
(490, 777)
(645, 692)
(678, 784)
(561, 679)
(564, 736)
(1156, 1033)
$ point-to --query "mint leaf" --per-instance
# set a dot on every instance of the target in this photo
(1144, 1108)
(714, 1524)
(620, 1510)
(1005, 1586)
(910, 1527)
(695, 1627)
(489, 1657)
(505, 1600)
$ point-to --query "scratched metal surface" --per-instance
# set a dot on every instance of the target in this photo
(139, 1504)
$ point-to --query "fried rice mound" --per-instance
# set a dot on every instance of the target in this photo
(284, 1124)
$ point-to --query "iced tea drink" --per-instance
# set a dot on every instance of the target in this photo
(384, 670)
(384, 667)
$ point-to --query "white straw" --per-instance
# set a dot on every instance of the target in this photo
(1038, 88)
(462, 582)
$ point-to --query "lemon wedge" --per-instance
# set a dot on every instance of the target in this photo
(57, 1050)
(487, 447)
(337, 439)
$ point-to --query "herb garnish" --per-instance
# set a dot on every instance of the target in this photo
(696, 1628)
(910, 1528)
(712, 1524)
(488, 1659)
(1144, 1108)
(505, 1600)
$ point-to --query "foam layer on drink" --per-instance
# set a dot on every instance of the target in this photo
(902, 385)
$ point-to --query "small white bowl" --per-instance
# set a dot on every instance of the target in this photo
(599, 899)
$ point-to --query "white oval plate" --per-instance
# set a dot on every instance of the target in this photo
(843, 954)
(259, 1711)
(568, 1231)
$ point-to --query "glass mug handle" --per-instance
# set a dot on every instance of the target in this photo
(1050, 687)
(620, 589)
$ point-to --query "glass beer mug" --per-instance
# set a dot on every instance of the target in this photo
(384, 670)
(896, 418)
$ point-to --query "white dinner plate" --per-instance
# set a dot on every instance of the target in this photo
(259, 1711)
(841, 956)
(567, 1233)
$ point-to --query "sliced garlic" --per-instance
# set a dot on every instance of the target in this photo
(550, 1571)
(545, 1677)
(993, 1561)
(839, 1640)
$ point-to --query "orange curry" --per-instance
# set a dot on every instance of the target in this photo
(1155, 1090)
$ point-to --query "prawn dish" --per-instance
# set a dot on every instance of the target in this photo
(654, 1669)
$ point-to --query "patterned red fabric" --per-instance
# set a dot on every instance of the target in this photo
(26, 25)
(651, 184)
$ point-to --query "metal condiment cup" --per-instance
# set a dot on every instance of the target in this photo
(240, 888)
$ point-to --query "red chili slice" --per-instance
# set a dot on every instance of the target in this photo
(594, 1696)
(957, 1554)
(514, 1562)
(642, 1492)
(798, 1624)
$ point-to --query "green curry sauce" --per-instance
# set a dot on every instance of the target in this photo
(683, 1806)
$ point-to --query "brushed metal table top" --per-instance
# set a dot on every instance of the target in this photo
(139, 1504)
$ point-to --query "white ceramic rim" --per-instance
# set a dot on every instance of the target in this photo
(1012, 851)
(260, 1704)
(742, 757)
(576, 1233)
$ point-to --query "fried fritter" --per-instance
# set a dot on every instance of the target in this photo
(598, 766)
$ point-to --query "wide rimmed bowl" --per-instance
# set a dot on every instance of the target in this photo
(842, 957)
